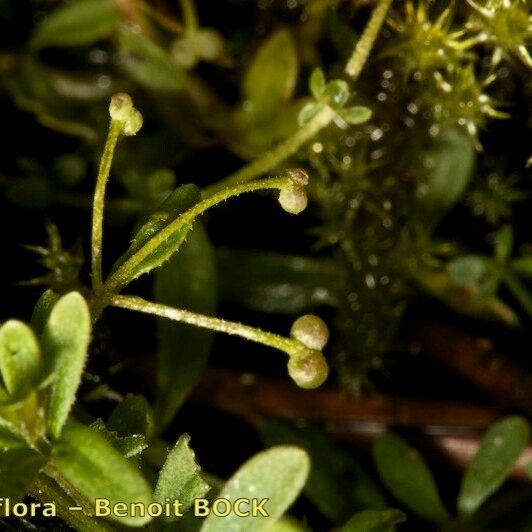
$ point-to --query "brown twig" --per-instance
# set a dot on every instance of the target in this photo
(476, 360)
(450, 428)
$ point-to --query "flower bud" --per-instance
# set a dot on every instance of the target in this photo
(133, 124)
(310, 331)
(298, 176)
(121, 106)
(293, 198)
(309, 369)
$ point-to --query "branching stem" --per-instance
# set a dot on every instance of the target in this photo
(125, 273)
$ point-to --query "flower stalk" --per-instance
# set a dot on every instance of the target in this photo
(124, 274)
(306, 365)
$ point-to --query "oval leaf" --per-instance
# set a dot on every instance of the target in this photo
(66, 338)
(81, 22)
(180, 477)
(358, 114)
(271, 78)
(499, 450)
(99, 471)
(406, 475)
(448, 163)
(20, 358)
(277, 474)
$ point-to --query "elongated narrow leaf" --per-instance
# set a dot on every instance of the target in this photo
(278, 283)
(374, 521)
(81, 22)
(276, 476)
(448, 164)
(188, 281)
(179, 201)
(147, 63)
(18, 467)
(99, 471)
(499, 450)
(20, 358)
(65, 342)
(180, 477)
(271, 78)
(406, 475)
(337, 484)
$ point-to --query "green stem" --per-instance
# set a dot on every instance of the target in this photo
(287, 345)
(125, 273)
(190, 17)
(518, 290)
(47, 490)
(99, 199)
(365, 44)
(273, 157)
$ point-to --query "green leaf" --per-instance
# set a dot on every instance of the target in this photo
(271, 78)
(99, 471)
(18, 467)
(495, 459)
(277, 474)
(523, 266)
(42, 310)
(278, 283)
(308, 112)
(180, 477)
(10, 435)
(468, 270)
(337, 483)
(287, 524)
(374, 521)
(317, 83)
(504, 241)
(179, 201)
(132, 416)
(188, 281)
(337, 93)
(358, 114)
(66, 339)
(81, 22)
(448, 164)
(406, 475)
(129, 446)
(148, 63)
(20, 359)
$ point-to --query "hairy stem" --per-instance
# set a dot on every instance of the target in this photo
(47, 490)
(365, 44)
(99, 200)
(138, 304)
(273, 157)
(124, 274)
